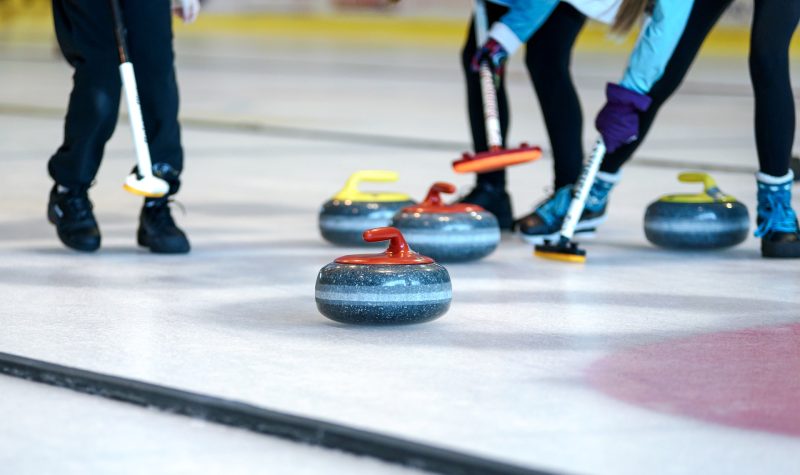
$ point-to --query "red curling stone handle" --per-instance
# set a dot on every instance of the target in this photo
(434, 197)
(397, 243)
(398, 251)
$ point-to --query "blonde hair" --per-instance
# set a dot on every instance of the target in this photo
(630, 11)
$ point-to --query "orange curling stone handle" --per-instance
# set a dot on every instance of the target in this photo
(496, 159)
(433, 203)
(398, 252)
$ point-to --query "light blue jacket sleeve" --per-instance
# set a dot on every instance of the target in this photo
(520, 23)
(656, 44)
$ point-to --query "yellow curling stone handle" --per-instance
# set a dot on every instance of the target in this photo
(710, 194)
(350, 192)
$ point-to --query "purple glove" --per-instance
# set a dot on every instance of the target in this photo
(495, 54)
(618, 121)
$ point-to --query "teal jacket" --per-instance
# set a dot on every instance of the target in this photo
(654, 48)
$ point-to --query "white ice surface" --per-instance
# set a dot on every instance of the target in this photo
(501, 375)
(52, 430)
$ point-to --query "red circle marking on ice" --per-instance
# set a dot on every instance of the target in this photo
(748, 378)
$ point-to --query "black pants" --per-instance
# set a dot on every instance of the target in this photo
(774, 23)
(548, 57)
(85, 33)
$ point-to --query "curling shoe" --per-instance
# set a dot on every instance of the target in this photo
(70, 210)
(544, 223)
(777, 221)
(493, 199)
(158, 231)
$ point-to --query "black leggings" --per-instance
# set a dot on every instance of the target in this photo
(774, 23)
(548, 57)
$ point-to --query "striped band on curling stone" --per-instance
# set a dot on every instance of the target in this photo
(707, 220)
(451, 237)
(350, 212)
(343, 222)
(397, 286)
(448, 233)
(378, 294)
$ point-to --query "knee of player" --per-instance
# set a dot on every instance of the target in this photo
(766, 62)
(98, 89)
(154, 69)
(104, 103)
(545, 70)
(545, 63)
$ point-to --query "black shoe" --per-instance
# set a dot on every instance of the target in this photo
(494, 200)
(158, 231)
(796, 168)
(71, 213)
(781, 245)
(777, 221)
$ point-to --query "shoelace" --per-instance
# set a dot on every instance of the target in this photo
(598, 194)
(780, 217)
(556, 206)
(78, 205)
(160, 214)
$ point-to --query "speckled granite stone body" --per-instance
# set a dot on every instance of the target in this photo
(383, 294)
(342, 222)
(696, 225)
(450, 237)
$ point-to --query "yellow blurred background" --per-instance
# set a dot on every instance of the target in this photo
(376, 22)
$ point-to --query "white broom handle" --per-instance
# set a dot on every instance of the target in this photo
(488, 93)
(143, 161)
(581, 190)
(490, 113)
(481, 23)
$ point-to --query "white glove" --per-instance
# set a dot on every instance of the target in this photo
(187, 10)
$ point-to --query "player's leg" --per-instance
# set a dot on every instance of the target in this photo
(85, 34)
(774, 23)
(150, 45)
(490, 188)
(548, 59)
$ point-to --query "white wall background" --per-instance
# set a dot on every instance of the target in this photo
(739, 13)
(428, 8)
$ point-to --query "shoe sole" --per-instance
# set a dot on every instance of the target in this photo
(141, 239)
(540, 239)
(585, 230)
(781, 252)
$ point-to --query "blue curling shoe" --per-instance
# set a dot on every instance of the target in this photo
(544, 223)
(777, 221)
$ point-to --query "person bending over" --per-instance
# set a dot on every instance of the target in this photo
(633, 104)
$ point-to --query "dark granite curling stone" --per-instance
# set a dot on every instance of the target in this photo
(347, 215)
(448, 233)
(708, 220)
(395, 287)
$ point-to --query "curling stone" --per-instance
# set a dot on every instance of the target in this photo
(708, 220)
(350, 212)
(397, 286)
(448, 233)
